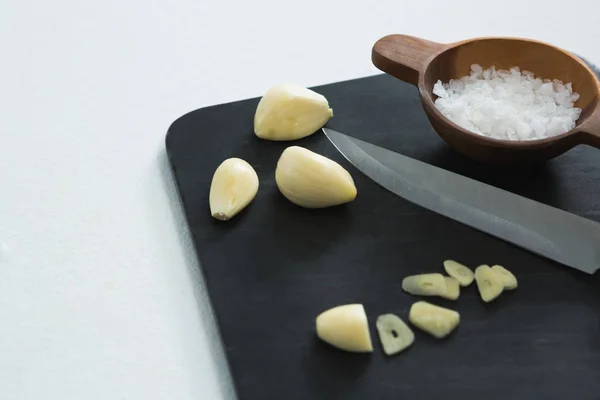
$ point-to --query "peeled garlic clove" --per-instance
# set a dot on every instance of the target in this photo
(489, 284)
(345, 327)
(394, 334)
(234, 186)
(509, 281)
(452, 288)
(462, 273)
(425, 285)
(435, 320)
(289, 111)
(310, 180)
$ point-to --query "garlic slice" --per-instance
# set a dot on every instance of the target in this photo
(435, 320)
(452, 288)
(233, 187)
(310, 180)
(394, 334)
(489, 284)
(463, 274)
(425, 285)
(345, 327)
(289, 111)
(508, 279)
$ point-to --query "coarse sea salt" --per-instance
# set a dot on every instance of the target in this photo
(510, 105)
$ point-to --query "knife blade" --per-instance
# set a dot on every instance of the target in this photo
(544, 230)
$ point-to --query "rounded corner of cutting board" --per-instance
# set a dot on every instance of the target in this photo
(173, 132)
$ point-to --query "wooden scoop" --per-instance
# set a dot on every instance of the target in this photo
(422, 62)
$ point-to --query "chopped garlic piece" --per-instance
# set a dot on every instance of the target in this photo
(452, 288)
(462, 273)
(345, 327)
(394, 334)
(509, 280)
(425, 284)
(435, 320)
(489, 284)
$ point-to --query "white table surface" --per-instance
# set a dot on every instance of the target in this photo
(101, 295)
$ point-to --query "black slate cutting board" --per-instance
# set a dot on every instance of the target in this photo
(272, 269)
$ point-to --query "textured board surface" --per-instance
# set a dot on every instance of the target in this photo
(275, 267)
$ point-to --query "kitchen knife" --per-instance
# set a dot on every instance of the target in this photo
(550, 232)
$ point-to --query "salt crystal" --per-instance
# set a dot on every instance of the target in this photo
(439, 90)
(508, 104)
(476, 71)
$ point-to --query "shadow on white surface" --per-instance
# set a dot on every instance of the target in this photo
(204, 308)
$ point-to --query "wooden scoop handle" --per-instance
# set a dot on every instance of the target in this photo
(404, 57)
(591, 128)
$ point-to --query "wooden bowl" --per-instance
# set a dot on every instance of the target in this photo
(422, 62)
